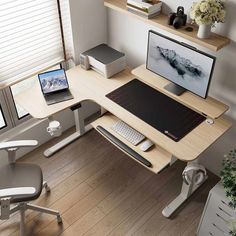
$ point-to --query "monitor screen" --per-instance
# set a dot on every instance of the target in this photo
(52, 81)
(181, 64)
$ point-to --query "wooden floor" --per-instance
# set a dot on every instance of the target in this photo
(100, 191)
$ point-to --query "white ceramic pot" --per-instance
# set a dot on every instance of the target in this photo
(204, 31)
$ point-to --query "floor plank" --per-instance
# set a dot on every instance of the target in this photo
(100, 191)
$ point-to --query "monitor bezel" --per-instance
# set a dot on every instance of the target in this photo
(189, 47)
(46, 72)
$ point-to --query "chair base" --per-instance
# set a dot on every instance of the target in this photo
(47, 188)
(23, 206)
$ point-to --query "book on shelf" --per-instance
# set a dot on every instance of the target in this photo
(142, 13)
(148, 7)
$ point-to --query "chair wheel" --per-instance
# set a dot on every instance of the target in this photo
(47, 188)
(59, 220)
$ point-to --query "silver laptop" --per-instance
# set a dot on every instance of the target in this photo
(55, 87)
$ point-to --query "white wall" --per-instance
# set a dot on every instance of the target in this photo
(89, 24)
(89, 28)
(130, 36)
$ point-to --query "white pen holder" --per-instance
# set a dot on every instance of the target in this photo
(54, 128)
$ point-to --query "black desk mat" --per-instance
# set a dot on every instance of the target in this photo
(158, 110)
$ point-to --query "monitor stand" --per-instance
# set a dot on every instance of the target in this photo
(175, 89)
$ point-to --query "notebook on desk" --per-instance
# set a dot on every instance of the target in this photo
(155, 108)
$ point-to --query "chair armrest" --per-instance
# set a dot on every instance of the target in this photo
(18, 144)
(16, 192)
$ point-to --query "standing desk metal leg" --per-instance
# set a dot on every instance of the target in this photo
(81, 129)
(186, 192)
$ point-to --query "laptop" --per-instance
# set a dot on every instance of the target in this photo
(55, 87)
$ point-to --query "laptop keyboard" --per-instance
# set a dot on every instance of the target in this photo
(58, 97)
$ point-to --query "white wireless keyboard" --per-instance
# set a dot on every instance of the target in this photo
(130, 134)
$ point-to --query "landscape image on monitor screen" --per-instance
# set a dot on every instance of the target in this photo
(179, 64)
(53, 81)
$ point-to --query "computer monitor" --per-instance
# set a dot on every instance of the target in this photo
(185, 66)
(53, 81)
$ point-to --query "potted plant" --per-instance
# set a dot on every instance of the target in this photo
(206, 13)
(228, 178)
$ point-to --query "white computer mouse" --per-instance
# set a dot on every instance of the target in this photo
(146, 145)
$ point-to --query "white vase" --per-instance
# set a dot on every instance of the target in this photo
(204, 31)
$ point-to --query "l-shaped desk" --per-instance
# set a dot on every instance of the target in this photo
(89, 85)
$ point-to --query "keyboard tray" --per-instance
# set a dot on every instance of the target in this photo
(159, 158)
(158, 110)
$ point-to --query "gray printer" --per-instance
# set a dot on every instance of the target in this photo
(103, 59)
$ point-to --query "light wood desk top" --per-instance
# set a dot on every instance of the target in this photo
(84, 85)
(89, 85)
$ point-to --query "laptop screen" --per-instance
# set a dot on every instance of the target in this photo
(52, 81)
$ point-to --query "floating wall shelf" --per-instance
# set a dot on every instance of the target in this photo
(215, 42)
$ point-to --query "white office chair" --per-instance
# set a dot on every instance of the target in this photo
(21, 183)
